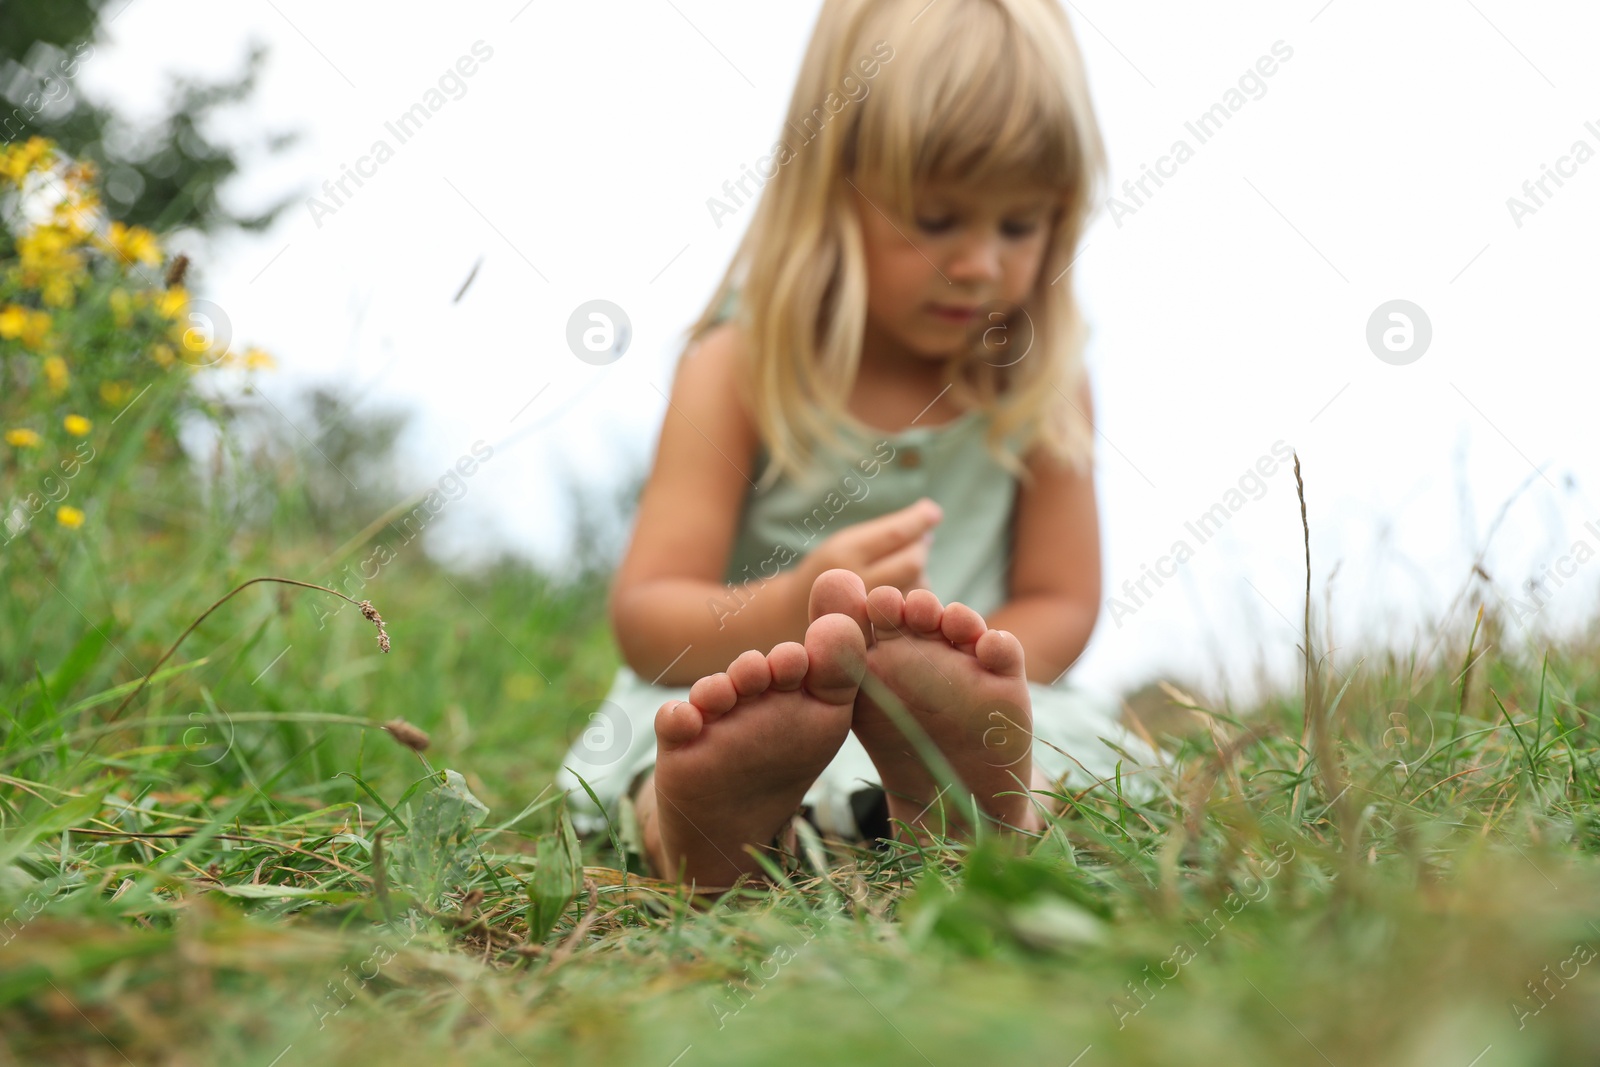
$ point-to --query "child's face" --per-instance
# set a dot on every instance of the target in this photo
(962, 249)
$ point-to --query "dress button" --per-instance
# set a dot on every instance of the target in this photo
(910, 458)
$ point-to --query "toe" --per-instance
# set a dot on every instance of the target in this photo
(677, 722)
(923, 611)
(788, 662)
(713, 695)
(836, 655)
(750, 674)
(887, 609)
(961, 625)
(1001, 652)
(841, 592)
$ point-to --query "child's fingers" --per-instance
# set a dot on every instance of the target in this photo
(902, 569)
(892, 532)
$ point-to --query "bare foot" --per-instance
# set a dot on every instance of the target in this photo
(965, 686)
(734, 760)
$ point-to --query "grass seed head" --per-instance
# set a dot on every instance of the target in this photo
(406, 734)
(377, 620)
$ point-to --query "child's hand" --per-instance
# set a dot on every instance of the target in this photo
(891, 550)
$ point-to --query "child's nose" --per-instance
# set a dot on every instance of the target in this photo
(978, 260)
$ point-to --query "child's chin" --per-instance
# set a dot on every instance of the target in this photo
(941, 350)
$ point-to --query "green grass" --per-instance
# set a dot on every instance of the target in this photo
(244, 865)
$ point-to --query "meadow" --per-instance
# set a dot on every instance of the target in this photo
(239, 826)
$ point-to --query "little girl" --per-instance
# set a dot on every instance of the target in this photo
(870, 527)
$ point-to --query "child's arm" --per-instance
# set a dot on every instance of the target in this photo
(663, 594)
(1055, 565)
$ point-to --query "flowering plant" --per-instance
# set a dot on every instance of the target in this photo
(89, 321)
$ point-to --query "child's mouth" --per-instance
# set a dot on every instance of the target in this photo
(957, 315)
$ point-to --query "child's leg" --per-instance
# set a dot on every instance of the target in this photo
(734, 760)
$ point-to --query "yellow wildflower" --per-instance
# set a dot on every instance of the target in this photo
(172, 302)
(256, 359)
(77, 213)
(50, 262)
(69, 516)
(77, 425)
(58, 291)
(19, 160)
(48, 247)
(115, 393)
(163, 355)
(30, 327)
(55, 370)
(134, 244)
(22, 438)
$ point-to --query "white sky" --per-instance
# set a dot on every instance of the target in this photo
(1228, 313)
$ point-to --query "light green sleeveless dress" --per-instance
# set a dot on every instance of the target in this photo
(881, 472)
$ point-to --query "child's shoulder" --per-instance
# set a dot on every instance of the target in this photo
(711, 374)
(715, 360)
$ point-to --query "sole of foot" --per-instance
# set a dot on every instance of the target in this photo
(965, 686)
(735, 760)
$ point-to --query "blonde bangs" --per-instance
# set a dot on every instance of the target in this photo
(968, 102)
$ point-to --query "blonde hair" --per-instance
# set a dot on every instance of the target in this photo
(969, 92)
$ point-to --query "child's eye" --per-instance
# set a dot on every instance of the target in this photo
(1010, 228)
